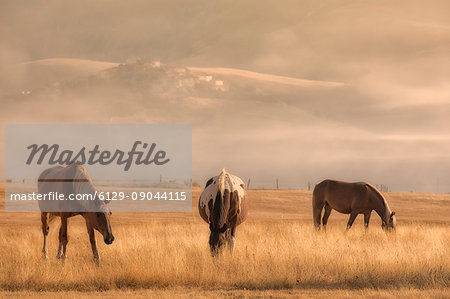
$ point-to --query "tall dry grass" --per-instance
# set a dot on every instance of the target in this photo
(268, 255)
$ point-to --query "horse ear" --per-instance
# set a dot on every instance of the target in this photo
(106, 201)
(392, 214)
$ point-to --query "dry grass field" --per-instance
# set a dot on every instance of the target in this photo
(278, 254)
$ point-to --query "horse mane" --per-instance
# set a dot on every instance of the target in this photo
(82, 184)
(387, 210)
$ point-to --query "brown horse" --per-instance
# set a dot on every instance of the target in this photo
(223, 204)
(72, 179)
(353, 199)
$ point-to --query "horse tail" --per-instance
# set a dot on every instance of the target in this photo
(318, 201)
(221, 183)
(222, 196)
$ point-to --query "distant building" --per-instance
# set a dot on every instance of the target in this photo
(205, 78)
(156, 63)
(219, 85)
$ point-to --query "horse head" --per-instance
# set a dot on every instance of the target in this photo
(101, 221)
(390, 223)
(217, 238)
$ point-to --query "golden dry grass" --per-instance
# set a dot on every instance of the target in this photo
(277, 253)
(236, 293)
(268, 255)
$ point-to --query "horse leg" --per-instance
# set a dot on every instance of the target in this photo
(231, 239)
(92, 241)
(59, 255)
(45, 229)
(62, 239)
(366, 220)
(326, 214)
(351, 220)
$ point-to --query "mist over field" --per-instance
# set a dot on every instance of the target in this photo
(352, 90)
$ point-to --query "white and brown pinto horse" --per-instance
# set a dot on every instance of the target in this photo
(72, 179)
(223, 204)
(350, 198)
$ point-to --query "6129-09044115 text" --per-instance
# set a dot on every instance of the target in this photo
(102, 195)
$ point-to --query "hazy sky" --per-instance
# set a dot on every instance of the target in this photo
(389, 124)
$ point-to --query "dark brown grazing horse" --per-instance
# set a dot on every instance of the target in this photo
(350, 198)
(223, 204)
(72, 179)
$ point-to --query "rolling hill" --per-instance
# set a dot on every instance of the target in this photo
(285, 126)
